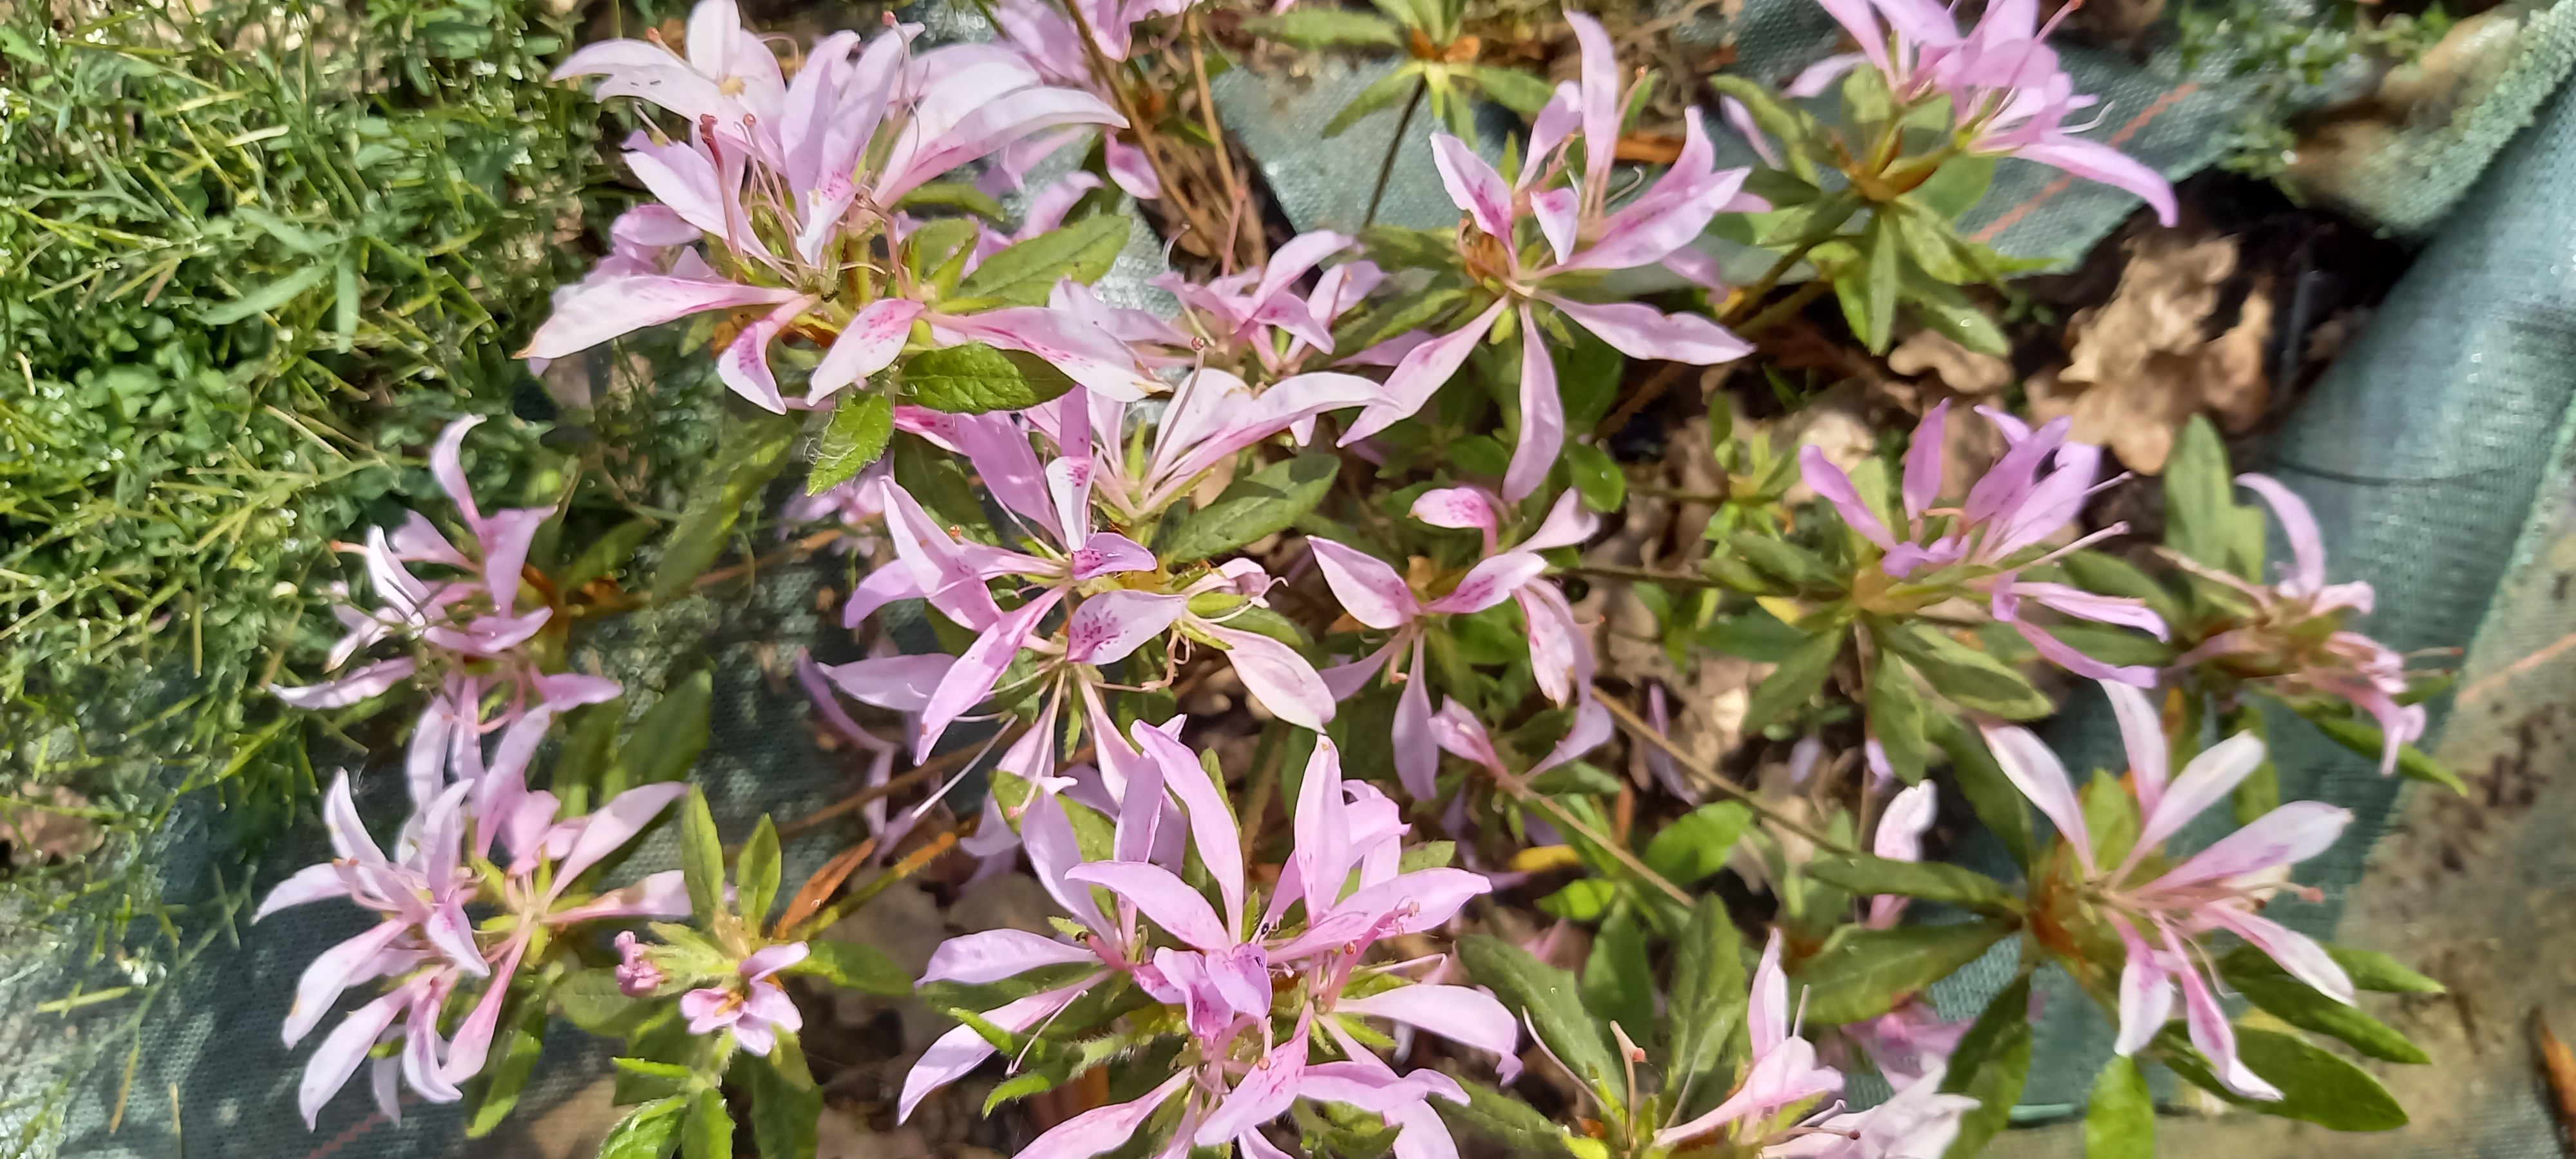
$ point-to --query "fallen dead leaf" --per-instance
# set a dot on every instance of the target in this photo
(1962, 370)
(2143, 363)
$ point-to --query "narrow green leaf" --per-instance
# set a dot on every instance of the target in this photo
(2120, 1120)
(2202, 519)
(1698, 843)
(1989, 792)
(854, 966)
(494, 1093)
(1551, 1000)
(1708, 995)
(2372, 970)
(606, 554)
(2317, 1085)
(1513, 89)
(1966, 676)
(667, 741)
(701, 856)
(1519, 1127)
(2260, 792)
(1929, 880)
(1794, 682)
(749, 453)
(1956, 187)
(1026, 272)
(1786, 560)
(755, 875)
(1428, 855)
(1327, 27)
(784, 1115)
(1991, 1066)
(647, 1132)
(1946, 308)
(265, 298)
(1896, 718)
(1597, 477)
(1584, 900)
(708, 1133)
(1383, 93)
(856, 437)
(975, 378)
(1576, 778)
(954, 195)
(590, 999)
(1618, 979)
(1862, 972)
(2365, 738)
(1262, 503)
(2303, 1006)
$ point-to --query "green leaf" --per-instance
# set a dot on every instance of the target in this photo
(2202, 519)
(606, 554)
(1896, 718)
(1965, 675)
(1699, 842)
(1397, 247)
(647, 1132)
(1262, 503)
(954, 195)
(1428, 855)
(1956, 187)
(666, 743)
(1597, 477)
(975, 378)
(1383, 93)
(1796, 681)
(2372, 970)
(1991, 1065)
(492, 1094)
(937, 479)
(1867, 288)
(265, 298)
(1519, 1127)
(1583, 901)
(784, 1115)
(1026, 272)
(1786, 560)
(701, 855)
(2365, 738)
(749, 453)
(755, 875)
(1618, 979)
(1929, 880)
(2260, 792)
(590, 999)
(708, 1133)
(2303, 1006)
(1799, 134)
(1754, 635)
(1708, 994)
(2317, 1085)
(1947, 309)
(2120, 1120)
(854, 966)
(1513, 89)
(1551, 1000)
(1862, 972)
(1576, 778)
(1989, 792)
(1327, 27)
(857, 436)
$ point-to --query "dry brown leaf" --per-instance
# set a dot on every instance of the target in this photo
(1962, 370)
(2143, 362)
(35, 833)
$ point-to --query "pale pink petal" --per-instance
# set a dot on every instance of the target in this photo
(961, 1050)
(373, 680)
(1909, 815)
(2294, 951)
(1263, 1094)
(1462, 508)
(867, 345)
(2125, 611)
(1472, 183)
(1417, 753)
(1161, 896)
(1053, 853)
(2203, 782)
(1766, 1012)
(1277, 677)
(1811, 81)
(1425, 1135)
(1490, 582)
(2211, 1033)
(341, 1052)
(1213, 831)
(972, 677)
(1370, 591)
(332, 971)
(311, 883)
(1642, 331)
(2285, 836)
(663, 895)
(769, 960)
(1566, 525)
(744, 365)
(1829, 481)
(2142, 731)
(2068, 657)
(1131, 169)
(1103, 1128)
(1556, 211)
(2146, 995)
(1465, 1016)
(1741, 118)
(897, 683)
(1107, 553)
(2298, 525)
(599, 310)
(614, 824)
(2095, 161)
(1601, 106)
(1423, 371)
(2038, 774)
(1109, 626)
(1542, 434)
(1923, 460)
(1560, 656)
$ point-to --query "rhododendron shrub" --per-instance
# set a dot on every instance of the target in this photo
(1331, 508)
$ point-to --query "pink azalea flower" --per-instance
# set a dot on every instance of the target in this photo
(1211, 417)
(1374, 594)
(787, 183)
(2008, 97)
(1224, 974)
(756, 1011)
(2285, 639)
(1581, 233)
(1784, 1071)
(1918, 1123)
(2008, 513)
(2160, 912)
(1257, 318)
(1048, 40)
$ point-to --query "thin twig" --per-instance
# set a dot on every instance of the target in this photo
(1796, 301)
(1520, 791)
(1637, 727)
(1236, 194)
(1652, 389)
(929, 770)
(1645, 575)
(1386, 168)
